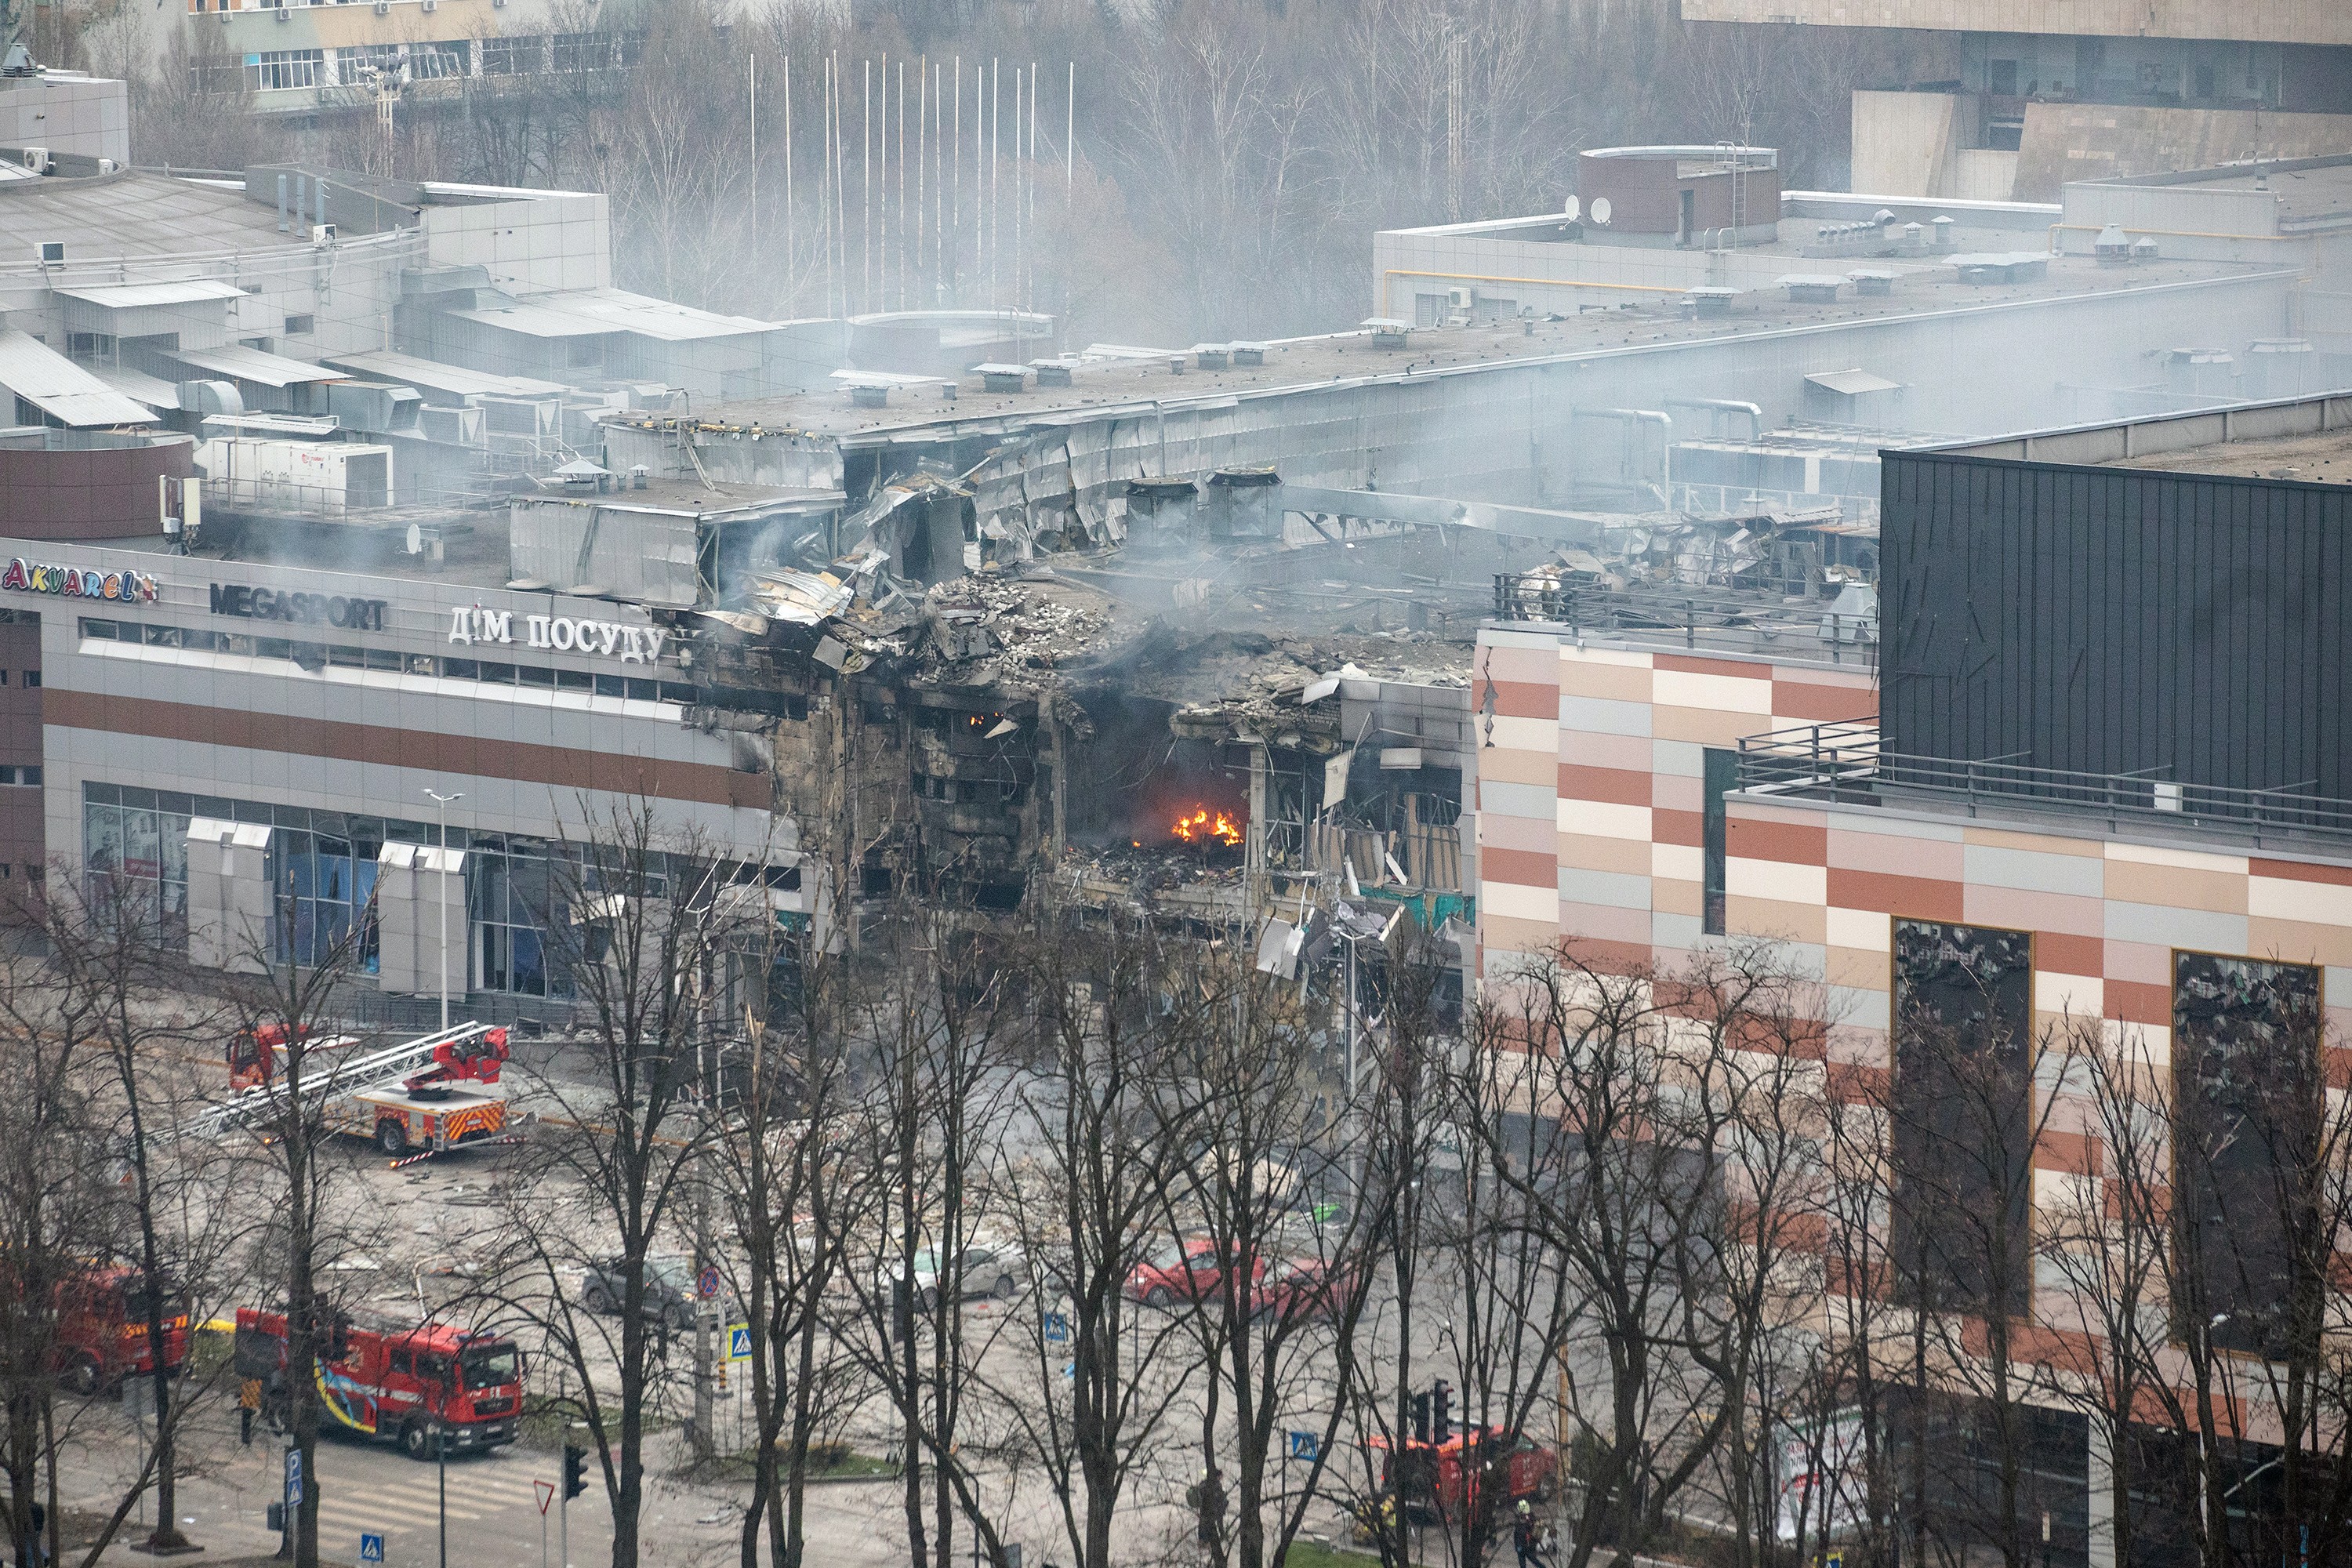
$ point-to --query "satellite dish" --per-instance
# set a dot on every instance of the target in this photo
(1574, 207)
(1601, 211)
(415, 540)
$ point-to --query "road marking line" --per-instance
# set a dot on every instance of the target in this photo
(425, 1508)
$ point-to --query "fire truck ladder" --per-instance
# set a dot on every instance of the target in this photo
(376, 1071)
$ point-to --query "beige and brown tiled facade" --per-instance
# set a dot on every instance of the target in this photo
(1591, 830)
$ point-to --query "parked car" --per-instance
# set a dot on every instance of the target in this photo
(1183, 1272)
(670, 1288)
(983, 1268)
(1299, 1288)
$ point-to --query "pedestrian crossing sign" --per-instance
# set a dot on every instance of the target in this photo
(739, 1342)
(371, 1546)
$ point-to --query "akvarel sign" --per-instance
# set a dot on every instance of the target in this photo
(24, 577)
(563, 634)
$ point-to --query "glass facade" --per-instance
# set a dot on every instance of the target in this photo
(510, 891)
(322, 865)
(135, 845)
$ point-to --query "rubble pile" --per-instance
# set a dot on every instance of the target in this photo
(1008, 626)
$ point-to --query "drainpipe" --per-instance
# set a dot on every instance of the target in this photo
(1755, 411)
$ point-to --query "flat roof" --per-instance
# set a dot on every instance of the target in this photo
(2322, 457)
(2305, 440)
(2309, 191)
(1104, 381)
(132, 215)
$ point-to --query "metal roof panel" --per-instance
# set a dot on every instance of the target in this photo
(133, 296)
(241, 363)
(54, 385)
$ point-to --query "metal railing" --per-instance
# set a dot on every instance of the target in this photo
(1695, 616)
(1847, 761)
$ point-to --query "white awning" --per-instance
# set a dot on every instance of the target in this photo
(60, 389)
(238, 363)
(137, 295)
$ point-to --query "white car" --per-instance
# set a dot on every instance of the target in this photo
(985, 1268)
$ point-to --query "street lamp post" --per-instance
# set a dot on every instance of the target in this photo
(441, 803)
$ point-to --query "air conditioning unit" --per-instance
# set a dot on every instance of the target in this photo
(52, 250)
(322, 234)
(1460, 299)
(383, 8)
(431, 6)
(284, 14)
(38, 159)
(109, 167)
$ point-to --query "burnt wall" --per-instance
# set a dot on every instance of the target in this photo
(2110, 620)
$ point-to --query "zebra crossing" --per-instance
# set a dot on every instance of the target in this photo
(395, 1503)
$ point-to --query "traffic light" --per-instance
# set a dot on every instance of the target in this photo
(1421, 1418)
(1441, 1399)
(575, 1471)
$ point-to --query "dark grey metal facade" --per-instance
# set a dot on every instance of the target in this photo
(2114, 620)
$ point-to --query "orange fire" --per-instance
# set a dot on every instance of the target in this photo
(1203, 825)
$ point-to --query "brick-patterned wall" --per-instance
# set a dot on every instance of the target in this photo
(1590, 774)
(2106, 915)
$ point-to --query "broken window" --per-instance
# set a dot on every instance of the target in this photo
(1962, 1123)
(1722, 776)
(2247, 1127)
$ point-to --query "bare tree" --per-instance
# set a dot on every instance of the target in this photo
(1088, 1196)
(643, 928)
(794, 1182)
(290, 989)
(940, 1095)
(110, 949)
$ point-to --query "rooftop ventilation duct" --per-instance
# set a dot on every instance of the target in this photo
(2112, 247)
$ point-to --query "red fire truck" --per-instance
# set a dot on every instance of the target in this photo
(101, 1329)
(1443, 1482)
(435, 1092)
(412, 1385)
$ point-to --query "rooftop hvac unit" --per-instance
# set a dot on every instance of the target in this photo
(322, 234)
(38, 159)
(108, 166)
(432, 6)
(1461, 298)
(383, 8)
(284, 14)
(460, 425)
(52, 250)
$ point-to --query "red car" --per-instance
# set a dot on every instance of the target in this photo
(1299, 1287)
(1182, 1270)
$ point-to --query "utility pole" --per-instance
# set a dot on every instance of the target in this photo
(706, 1055)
